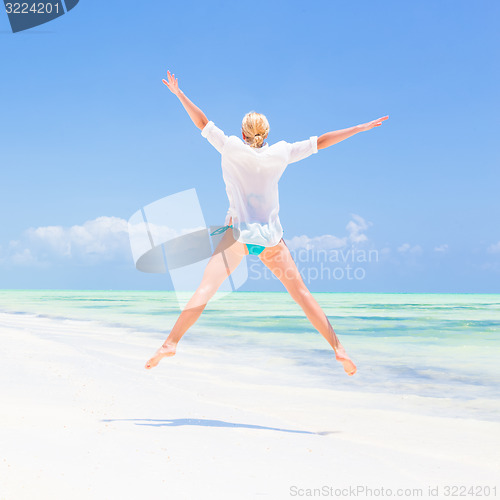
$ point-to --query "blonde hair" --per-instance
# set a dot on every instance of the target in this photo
(256, 128)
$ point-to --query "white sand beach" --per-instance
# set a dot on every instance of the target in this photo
(81, 418)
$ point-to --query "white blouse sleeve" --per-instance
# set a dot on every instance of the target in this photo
(215, 136)
(302, 149)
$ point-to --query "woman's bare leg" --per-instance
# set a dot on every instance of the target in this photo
(279, 260)
(223, 262)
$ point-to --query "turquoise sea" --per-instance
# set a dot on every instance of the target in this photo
(439, 348)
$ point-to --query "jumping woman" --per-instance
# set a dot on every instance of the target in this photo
(251, 171)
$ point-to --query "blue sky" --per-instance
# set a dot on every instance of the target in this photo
(89, 134)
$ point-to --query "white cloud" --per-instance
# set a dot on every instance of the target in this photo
(406, 248)
(356, 227)
(441, 248)
(107, 239)
(24, 257)
(495, 248)
(324, 242)
(98, 240)
(355, 235)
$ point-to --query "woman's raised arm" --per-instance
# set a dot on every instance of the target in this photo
(195, 113)
(331, 138)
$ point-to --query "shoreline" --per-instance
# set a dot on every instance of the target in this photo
(250, 367)
(82, 418)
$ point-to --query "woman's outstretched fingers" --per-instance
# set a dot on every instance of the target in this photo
(376, 123)
(172, 84)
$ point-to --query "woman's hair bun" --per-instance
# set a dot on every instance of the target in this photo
(256, 128)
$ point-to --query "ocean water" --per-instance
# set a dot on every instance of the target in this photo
(440, 352)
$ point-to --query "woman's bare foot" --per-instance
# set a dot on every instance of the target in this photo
(349, 366)
(162, 352)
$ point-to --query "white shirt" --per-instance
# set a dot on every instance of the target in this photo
(251, 176)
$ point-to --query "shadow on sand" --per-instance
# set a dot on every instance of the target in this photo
(207, 423)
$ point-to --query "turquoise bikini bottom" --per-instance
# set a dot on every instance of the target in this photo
(253, 249)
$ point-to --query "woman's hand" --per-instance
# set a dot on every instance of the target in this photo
(172, 84)
(194, 112)
(374, 123)
(334, 137)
